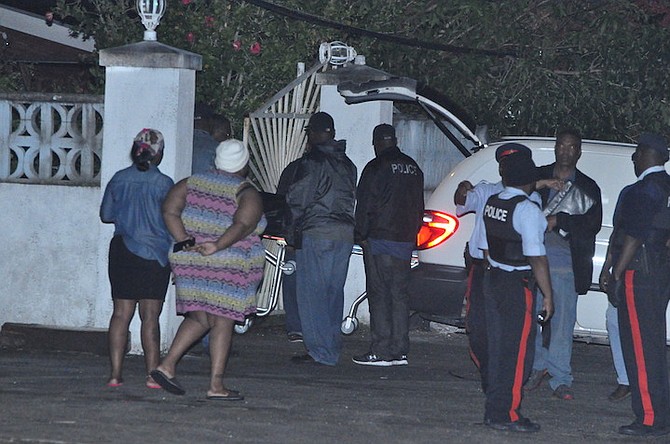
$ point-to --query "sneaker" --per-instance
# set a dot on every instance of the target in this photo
(621, 392)
(294, 337)
(371, 359)
(563, 392)
(402, 360)
(535, 380)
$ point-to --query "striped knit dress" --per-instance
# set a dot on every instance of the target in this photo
(224, 283)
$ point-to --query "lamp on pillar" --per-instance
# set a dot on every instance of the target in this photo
(150, 12)
(336, 53)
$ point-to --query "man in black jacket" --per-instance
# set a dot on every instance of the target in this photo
(389, 212)
(570, 244)
(320, 225)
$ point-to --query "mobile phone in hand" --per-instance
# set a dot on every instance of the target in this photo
(542, 317)
(183, 244)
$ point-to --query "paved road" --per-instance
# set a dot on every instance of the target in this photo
(60, 397)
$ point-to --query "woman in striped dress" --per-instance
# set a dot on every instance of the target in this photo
(219, 214)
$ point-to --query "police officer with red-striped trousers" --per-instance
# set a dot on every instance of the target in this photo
(639, 285)
(515, 229)
(472, 199)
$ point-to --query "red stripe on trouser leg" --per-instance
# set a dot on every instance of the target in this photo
(521, 357)
(474, 359)
(468, 295)
(643, 381)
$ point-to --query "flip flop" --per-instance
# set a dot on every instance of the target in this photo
(231, 396)
(150, 383)
(169, 384)
(118, 383)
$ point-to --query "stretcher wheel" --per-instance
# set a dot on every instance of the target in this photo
(242, 328)
(349, 325)
(288, 268)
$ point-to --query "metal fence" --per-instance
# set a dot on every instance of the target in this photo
(51, 138)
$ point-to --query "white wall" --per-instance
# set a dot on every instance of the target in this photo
(48, 263)
(53, 271)
(136, 98)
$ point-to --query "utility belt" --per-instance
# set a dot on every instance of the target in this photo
(526, 275)
(649, 262)
(652, 265)
(472, 261)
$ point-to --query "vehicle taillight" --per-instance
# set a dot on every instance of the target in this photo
(437, 227)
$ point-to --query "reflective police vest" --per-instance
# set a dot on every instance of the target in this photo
(504, 242)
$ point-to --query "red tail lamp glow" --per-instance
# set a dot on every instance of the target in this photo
(437, 227)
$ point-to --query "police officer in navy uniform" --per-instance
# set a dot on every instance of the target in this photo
(472, 199)
(639, 284)
(389, 213)
(515, 229)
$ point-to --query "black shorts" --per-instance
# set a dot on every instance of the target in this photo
(133, 277)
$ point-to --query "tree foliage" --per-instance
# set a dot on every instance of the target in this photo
(597, 65)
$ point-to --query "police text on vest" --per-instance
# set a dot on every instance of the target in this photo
(495, 213)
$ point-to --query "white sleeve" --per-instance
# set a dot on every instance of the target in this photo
(535, 197)
(531, 224)
(476, 198)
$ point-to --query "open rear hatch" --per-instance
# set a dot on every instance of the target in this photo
(438, 108)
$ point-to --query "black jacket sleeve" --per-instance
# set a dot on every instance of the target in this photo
(583, 230)
(364, 202)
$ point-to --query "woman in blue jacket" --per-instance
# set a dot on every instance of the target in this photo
(139, 271)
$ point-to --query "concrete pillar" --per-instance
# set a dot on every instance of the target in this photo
(147, 85)
(354, 123)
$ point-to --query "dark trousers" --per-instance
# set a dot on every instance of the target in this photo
(511, 334)
(387, 281)
(475, 319)
(642, 330)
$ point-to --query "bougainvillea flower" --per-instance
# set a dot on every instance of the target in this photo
(190, 37)
(237, 45)
(209, 21)
(255, 48)
(186, 2)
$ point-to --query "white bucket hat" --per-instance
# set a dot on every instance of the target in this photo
(231, 156)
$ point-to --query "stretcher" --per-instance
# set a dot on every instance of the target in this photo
(269, 291)
(267, 295)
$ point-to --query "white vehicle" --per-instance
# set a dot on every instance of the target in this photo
(441, 269)
(438, 282)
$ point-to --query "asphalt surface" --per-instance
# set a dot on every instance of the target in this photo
(61, 397)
